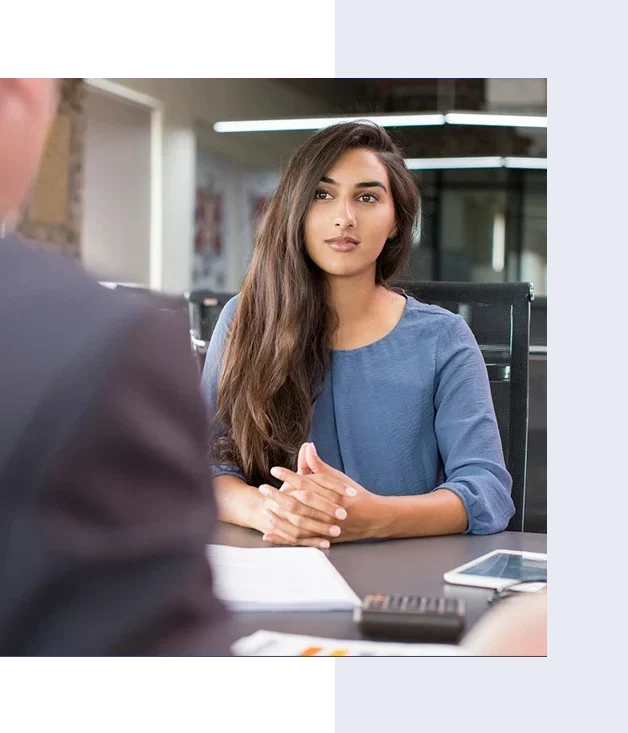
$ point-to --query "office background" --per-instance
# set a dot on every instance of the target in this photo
(138, 185)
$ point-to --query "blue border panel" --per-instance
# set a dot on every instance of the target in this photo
(579, 51)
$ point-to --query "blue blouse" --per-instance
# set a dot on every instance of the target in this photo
(405, 415)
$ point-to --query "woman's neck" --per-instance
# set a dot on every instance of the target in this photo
(353, 299)
(366, 311)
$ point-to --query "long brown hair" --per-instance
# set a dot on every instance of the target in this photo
(278, 348)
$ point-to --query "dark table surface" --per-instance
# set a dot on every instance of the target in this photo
(413, 566)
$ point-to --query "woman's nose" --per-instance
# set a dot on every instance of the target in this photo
(345, 215)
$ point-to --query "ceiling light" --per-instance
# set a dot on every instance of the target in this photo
(437, 163)
(317, 123)
(526, 163)
(471, 162)
(495, 120)
(394, 120)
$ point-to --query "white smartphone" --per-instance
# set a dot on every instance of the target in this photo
(501, 568)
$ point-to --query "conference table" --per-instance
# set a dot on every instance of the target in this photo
(409, 566)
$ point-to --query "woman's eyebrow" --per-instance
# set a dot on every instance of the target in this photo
(362, 184)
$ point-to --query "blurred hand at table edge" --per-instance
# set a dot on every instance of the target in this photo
(515, 627)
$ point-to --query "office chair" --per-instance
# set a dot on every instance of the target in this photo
(499, 317)
(204, 308)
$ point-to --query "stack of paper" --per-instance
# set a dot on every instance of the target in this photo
(279, 579)
(273, 644)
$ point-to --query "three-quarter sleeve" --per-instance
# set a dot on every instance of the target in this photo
(210, 379)
(467, 433)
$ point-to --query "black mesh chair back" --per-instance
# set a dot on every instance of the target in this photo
(499, 316)
(204, 308)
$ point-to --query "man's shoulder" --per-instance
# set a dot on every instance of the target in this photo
(42, 290)
(55, 321)
(36, 280)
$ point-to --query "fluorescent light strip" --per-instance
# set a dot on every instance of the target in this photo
(495, 120)
(317, 123)
(525, 163)
(436, 163)
(403, 120)
(498, 258)
(470, 162)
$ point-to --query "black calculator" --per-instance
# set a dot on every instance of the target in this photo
(411, 618)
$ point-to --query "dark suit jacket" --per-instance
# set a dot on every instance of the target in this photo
(105, 498)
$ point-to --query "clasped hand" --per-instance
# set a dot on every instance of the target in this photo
(316, 505)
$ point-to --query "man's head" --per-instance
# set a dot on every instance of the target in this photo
(27, 108)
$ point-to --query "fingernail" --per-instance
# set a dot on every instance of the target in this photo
(341, 513)
(350, 491)
(334, 530)
(272, 505)
(275, 471)
(265, 537)
(324, 545)
(266, 490)
(314, 449)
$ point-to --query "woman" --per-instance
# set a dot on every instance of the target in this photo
(346, 409)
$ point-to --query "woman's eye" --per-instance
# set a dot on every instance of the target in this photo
(368, 198)
(321, 195)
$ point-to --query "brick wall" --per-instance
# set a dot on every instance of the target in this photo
(54, 212)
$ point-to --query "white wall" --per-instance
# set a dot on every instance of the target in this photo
(238, 188)
(116, 221)
(525, 95)
(190, 106)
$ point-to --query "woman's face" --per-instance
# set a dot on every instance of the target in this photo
(352, 215)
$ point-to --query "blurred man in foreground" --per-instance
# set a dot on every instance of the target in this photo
(105, 502)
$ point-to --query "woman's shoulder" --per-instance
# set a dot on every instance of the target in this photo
(435, 326)
(419, 306)
(428, 315)
(228, 311)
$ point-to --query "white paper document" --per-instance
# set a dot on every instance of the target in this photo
(274, 644)
(278, 579)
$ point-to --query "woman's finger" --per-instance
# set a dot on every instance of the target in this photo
(298, 525)
(318, 465)
(311, 481)
(302, 466)
(280, 525)
(304, 503)
(275, 539)
(327, 508)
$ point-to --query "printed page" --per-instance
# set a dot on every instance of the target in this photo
(274, 644)
(286, 578)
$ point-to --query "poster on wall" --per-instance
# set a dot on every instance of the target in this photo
(260, 202)
(208, 239)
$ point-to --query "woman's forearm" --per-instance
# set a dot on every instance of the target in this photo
(440, 512)
(238, 502)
